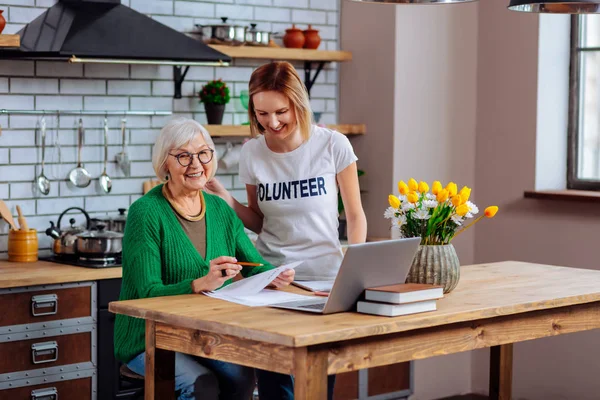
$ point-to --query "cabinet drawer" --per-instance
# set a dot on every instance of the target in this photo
(77, 389)
(45, 305)
(46, 352)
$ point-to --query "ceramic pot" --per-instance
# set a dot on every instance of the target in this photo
(435, 265)
(2, 21)
(294, 38)
(214, 113)
(312, 38)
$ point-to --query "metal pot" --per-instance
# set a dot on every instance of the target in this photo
(100, 243)
(255, 37)
(115, 224)
(223, 33)
(65, 240)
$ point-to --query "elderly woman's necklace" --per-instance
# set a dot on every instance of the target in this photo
(167, 193)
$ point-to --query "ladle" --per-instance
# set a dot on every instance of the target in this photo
(43, 184)
(79, 175)
(104, 179)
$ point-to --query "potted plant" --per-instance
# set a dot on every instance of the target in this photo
(436, 218)
(342, 221)
(214, 95)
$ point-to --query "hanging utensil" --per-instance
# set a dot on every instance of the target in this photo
(79, 175)
(122, 157)
(104, 179)
(7, 215)
(43, 184)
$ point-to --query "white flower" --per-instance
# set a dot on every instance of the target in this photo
(430, 196)
(430, 203)
(402, 198)
(389, 213)
(407, 206)
(400, 220)
(457, 219)
(422, 214)
(472, 208)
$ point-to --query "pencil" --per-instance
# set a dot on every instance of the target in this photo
(249, 264)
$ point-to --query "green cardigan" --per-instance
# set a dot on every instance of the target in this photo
(160, 260)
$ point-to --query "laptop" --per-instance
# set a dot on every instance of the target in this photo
(364, 265)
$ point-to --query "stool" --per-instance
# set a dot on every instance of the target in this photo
(128, 375)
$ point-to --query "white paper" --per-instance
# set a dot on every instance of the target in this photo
(251, 291)
(314, 286)
(265, 297)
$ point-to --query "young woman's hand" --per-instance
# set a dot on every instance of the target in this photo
(283, 279)
(221, 269)
(215, 187)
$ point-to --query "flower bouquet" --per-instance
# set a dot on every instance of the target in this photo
(436, 217)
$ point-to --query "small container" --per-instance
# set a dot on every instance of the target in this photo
(22, 245)
(294, 38)
(312, 38)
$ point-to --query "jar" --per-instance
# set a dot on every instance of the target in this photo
(22, 245)
(294, 38)
(312, 38)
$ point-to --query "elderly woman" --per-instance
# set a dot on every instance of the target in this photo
(180, 240)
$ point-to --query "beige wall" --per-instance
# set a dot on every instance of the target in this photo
(411, 63)
(530, 230)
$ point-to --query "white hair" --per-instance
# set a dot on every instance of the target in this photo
(177, 133)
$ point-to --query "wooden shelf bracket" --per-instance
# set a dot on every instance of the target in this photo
(308, 81)
(178, 78)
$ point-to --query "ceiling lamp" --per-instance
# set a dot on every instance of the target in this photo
(414, 1)
(556, 6)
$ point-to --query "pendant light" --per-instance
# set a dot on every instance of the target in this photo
(413, 1)
(556, 6)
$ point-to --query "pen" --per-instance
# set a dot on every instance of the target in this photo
(249, 264)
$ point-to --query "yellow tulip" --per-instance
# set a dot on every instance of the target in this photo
(412, 197)
(462, 210)
(465, 193)
(403, 188)
(452, 189)
(394, 201)
(413, 185)
(423, 187)
(442, 195)
(436, 187)
(491, 211)
(457, 201)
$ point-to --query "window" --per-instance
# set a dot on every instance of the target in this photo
(583, 159)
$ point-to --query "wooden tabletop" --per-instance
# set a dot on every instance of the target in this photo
(484, 291)
(13, 274)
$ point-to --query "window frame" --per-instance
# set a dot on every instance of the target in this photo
(573, 133)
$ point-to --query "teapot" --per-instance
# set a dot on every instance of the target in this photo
(65, 241)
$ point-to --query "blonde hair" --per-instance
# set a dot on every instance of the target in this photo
(280, 76)
(176, 133)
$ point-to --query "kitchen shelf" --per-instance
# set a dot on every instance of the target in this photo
(320, 57)
(10, 40)
(244, 130)
(282, 53)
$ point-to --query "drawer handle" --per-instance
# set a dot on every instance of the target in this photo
(44, 301)
(44, 394)
(44, 349)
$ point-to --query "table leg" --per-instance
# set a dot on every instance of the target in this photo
(310, 374)
(501, 372)
(160, 369)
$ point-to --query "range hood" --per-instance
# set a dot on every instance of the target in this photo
(107, 31)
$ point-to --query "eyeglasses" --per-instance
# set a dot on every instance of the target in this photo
(185, 159)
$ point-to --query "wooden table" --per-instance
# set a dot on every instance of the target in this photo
(494, 305)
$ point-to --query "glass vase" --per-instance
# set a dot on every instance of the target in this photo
(435, 265)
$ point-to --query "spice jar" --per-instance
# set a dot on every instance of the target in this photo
(22, 245)
(293, 38)
(312, 38)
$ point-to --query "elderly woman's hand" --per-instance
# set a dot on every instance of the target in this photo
(283, 279)
(221, 269)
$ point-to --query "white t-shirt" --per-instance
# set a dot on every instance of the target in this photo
(297, 194)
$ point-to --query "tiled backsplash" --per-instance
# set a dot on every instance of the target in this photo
(43, 85)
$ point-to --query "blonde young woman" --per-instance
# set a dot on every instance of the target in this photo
(180, 240)
(292, 170)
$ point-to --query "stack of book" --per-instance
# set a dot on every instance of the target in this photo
(400, 299)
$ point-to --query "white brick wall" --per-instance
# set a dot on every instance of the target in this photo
(47, 85)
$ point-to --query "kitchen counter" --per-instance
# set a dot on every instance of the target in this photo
(14, 274)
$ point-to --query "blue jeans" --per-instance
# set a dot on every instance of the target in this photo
(202, 378)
